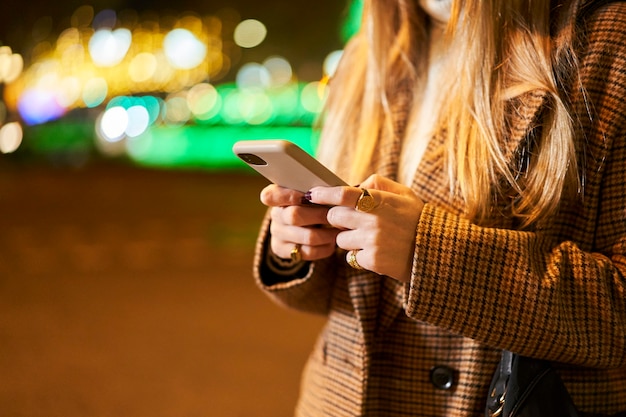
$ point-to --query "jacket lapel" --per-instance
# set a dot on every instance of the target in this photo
(386, 294)
(375, 298)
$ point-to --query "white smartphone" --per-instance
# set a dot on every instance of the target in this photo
(286, 164)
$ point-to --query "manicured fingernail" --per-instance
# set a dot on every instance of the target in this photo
(306, 199)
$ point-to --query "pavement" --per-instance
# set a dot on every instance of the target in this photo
(127, 292)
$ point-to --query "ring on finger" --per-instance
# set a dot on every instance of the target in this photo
(352, 259)
(366, 202)
(296, 255)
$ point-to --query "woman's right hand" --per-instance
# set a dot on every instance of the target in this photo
(295, 222)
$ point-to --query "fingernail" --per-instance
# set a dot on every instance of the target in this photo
(306, 199)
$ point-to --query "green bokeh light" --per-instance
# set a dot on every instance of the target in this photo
(352, 22)
(208, 147)
(185, 146)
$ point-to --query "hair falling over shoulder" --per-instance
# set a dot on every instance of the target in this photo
(501, 51)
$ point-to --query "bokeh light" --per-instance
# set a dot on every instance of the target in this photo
(143, 67)
(95, 91)
(105, 19)
(250, 33)
(153, 107)
(203, 101)
(38, 106)
(279, 70)
(183, 49)
(11, 65)
(108, 47)
(69, 92)
(331, 62)
(114, 123)
(138, 121)
(143, 78)
(177, 110)
(255, 107)
(312, 98)
(253, 75)
(11, 135)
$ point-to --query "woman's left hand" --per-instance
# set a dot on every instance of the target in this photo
(383, 238)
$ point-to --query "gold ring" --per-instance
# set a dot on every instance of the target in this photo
(352, 260)
(366, 202)
(295, 254)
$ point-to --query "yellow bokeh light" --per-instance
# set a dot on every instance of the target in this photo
(202, 99)
(109, 54)
(131, 59)
(312, 96)
(177, 110)
(68, 38)
(142, 67)
(82, 17)
(192, 23)
(11, 136)
(250, 33)
(11, 65)
(69, 91)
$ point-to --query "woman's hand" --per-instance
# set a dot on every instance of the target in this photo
(383, 238)
(297, 222)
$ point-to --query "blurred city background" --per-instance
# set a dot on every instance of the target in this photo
(128, 226)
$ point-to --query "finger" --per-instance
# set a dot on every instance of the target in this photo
(276, 196)
(307, 252)
(300, 215)
(344, 218)
(311, 236)
(337, 196)
(357, 260)
(353, 240)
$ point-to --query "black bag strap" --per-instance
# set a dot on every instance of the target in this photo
(497, 390)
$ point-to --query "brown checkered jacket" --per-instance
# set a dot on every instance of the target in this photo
(429, 348)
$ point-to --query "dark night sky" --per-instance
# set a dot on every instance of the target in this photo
(297, 30)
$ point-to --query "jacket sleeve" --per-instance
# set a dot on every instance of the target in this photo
(559, 293)
(308, 292)
(512, 290)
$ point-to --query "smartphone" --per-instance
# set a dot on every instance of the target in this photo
(286, 164)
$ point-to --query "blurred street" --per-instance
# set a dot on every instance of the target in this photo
(127, 292)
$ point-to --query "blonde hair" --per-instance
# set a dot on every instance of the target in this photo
(501, 51)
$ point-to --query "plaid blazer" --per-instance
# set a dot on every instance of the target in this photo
(430, 347)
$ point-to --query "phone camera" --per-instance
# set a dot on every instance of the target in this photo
(251, 159)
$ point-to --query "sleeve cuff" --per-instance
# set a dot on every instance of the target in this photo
(275, 270)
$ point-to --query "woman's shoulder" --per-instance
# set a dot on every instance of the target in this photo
(602, 24)
(593, 10)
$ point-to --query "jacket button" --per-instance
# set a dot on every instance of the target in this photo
(442, 377)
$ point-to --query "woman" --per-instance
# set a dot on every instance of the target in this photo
(489, 136)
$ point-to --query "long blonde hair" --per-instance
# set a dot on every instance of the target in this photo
(502, 50)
